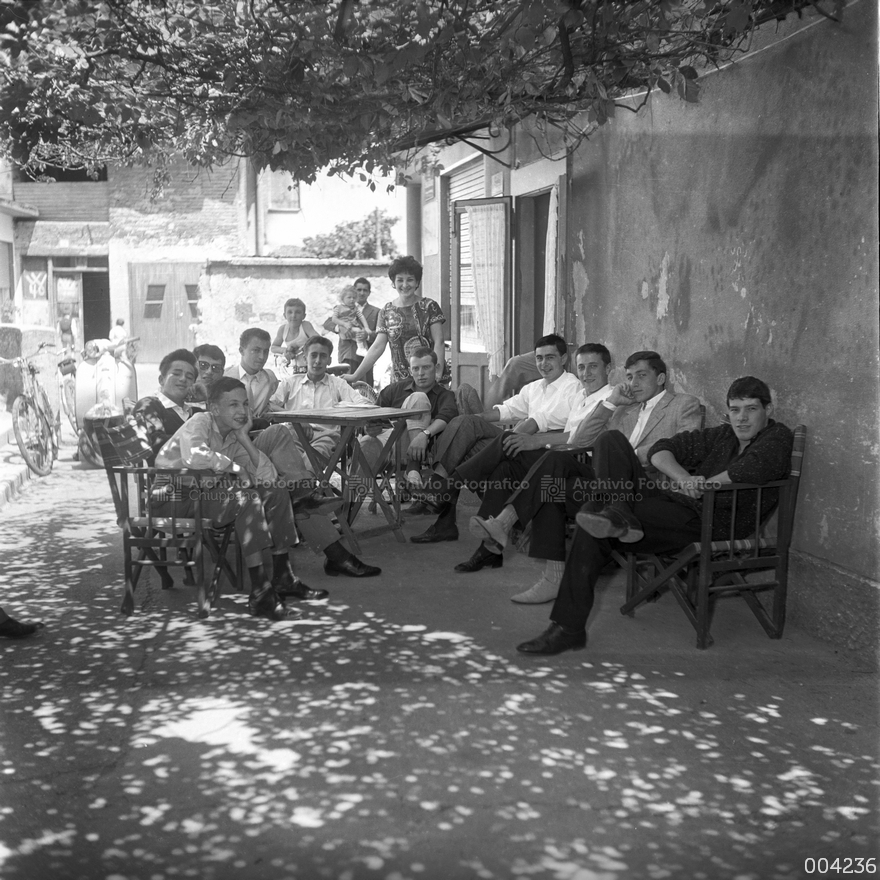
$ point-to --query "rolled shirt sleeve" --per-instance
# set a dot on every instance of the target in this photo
(548, 405)
(199, 445)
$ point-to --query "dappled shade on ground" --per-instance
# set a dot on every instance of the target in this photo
(358, 743)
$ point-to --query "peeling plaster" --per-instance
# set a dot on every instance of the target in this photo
(823, 529)
(662, 292)
(580, 278)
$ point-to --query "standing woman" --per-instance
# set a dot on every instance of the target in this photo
(292, 336)
(409, 322)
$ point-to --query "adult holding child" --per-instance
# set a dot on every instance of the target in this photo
(292, 335)
(409, 322)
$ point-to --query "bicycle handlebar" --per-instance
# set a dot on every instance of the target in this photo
(27, 357)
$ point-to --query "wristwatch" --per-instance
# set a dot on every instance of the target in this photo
(427, 433)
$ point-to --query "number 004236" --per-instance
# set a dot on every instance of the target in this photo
(840, 866)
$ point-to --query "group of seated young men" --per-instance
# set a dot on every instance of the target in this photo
(635, 465)
(204, 416)
(650, 463)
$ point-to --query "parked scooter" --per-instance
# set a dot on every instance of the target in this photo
(104, 379)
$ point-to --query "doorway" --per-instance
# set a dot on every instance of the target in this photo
(96, 305)
(532, 219)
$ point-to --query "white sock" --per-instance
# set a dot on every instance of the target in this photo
(553, 571)
(507, 518)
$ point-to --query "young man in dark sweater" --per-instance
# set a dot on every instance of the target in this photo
(653, 518)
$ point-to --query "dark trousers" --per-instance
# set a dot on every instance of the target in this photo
(263, 517)
(668, 526)
(495, 475)
(554, 488)
(462, 439)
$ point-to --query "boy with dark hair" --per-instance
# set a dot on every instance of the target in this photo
(261, 384)
(163, 413)
(219, 440)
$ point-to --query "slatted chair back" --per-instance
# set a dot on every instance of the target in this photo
(707, 569)
(154, 532)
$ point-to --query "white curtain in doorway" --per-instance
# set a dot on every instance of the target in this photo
(550, 263)
(488, 254)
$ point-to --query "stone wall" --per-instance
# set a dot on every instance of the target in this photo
(237, 294)
(740, 236)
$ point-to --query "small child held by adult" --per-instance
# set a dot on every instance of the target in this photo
(349, 319)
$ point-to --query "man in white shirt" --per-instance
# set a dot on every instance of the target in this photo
(643, 411)
(315, 389)
(541, 407)
(318, 389)
(506, 462)
(253, 345)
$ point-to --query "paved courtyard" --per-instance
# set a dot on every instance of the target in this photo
(395, 733)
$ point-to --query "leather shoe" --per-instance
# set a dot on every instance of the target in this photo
(436, 533)
(272, 608)
(352, 566)
(554, 640)
(288, 587)
(482, 558)
(610, 522)
(12, 629)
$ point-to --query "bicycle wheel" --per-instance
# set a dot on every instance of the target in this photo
(32, 433)
(68, 400)
(87, 451)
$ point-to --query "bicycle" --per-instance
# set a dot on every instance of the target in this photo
(37, 428)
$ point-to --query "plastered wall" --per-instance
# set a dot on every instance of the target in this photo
(740, 236)
(251, 293)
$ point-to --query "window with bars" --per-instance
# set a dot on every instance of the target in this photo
(283, 192)
(192, 298)
(154, 301)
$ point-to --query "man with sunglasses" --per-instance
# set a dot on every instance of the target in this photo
(211, 362)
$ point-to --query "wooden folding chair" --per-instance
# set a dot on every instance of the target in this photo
(161, 541)
(707, 569)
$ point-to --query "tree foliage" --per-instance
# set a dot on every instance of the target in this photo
(301, 86)
(356, 240)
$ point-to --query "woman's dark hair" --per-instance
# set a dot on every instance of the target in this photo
(405, 266)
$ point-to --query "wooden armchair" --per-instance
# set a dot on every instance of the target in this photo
(707, 569)
(161, 541)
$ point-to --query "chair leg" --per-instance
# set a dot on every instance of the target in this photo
(128, 599)
(630, 570)
(199, 566)
(702, 608)
(239, 567)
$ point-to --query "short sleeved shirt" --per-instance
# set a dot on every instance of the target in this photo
(407, 328)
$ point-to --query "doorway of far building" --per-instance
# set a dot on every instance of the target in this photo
(164, 307)
(80, 288)
(96, 306)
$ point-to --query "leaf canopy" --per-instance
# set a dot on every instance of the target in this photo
(307, 86)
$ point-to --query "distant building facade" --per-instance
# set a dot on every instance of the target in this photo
(89, 251)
